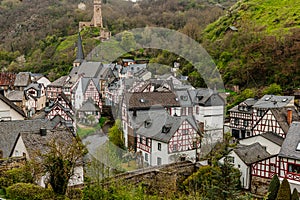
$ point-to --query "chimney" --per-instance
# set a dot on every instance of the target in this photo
(289, 116)
(43, 132)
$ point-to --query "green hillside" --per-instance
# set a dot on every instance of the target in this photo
(263, 49)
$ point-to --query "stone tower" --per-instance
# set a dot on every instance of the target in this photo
(97, 18)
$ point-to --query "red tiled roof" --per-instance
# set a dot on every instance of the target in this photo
(7, 79)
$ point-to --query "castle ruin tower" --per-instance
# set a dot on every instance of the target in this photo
(97, 18)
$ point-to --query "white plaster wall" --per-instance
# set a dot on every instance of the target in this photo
(20, 149)
(163, 154)
(78, 96)
(44, 81)
(244, 169)
(271, 148)
(7, 111)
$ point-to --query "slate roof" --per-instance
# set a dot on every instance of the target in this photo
(184, 98)
(158, 121)
(79, 53)
(280, 115)
(12, 105)
(292, 140)
(7, 79)
(252, 153)
(35, 86)
(35, 142)
(272, 101)
(60, 82)
(88, 68)
(89, 105)
(248, 103)
(22, 79)
(15, 95)
(145, 100)
(85, 82)
(273, 138)
(9, 131)
(206, 97)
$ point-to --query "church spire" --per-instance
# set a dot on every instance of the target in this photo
(79, 54)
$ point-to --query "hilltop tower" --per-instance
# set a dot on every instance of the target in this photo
(97, 18)
(97, 21)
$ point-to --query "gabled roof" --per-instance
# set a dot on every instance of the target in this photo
(35, 142)
(15, 95)
(184, 98)
(273, 138)
(160, 120)
(88, 68)
(9, 131)
(86, 81)
(248, 104)
(145, 100)
(89, 105)
(280, 115)
(272, 101)
(7, 79)
(12, 105)
(206, 97)
(22, 79)
(35, 86)
(60, 82)
(252, 153)
(291, 142)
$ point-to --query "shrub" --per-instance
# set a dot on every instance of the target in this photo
(284, 192)
(75, 194)
(295, 195)
(273, 188)
(28, 191)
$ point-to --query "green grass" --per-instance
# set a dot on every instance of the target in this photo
(85, 131)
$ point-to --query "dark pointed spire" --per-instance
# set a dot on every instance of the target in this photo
(79, 55)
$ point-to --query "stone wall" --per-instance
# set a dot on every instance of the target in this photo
(161, 179)
(260, 186)
(12, 162)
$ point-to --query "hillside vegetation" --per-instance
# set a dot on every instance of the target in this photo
(264, 49)
(45, 32)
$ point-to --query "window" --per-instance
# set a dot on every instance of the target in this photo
(183, 111)
(246, 123)
(146, 157)
(293, 168)
(147, 142)
(159, 146)
(190, 111)
(229, 159)
(184, 131)
(272, 167)
(236, 121)
(175, 147)
(141, 140)
(197, 110)
(158, 161)
(260, 113)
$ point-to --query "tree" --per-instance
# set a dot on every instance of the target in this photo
(273, 188)
(273, 89)
(115, 134)
(284, 192)
(295, 195)
(60, 160)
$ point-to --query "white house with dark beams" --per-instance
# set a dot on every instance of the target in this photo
(163, 139)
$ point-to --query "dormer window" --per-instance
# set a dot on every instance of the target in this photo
(147, 123)
(298, 147)
(142, 100)
(184, 98)
(200, 98)
(166, 129)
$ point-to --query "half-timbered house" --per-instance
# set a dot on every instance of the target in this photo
(289, 157)
(163, 139)
(241, 118)
(62, 107)
(56, 88)
(89, 113)
(38, 92)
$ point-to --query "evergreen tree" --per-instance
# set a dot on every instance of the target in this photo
(295, 195)
(284, 192)
(273, 188)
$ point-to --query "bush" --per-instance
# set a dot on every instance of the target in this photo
(273, 188)
(284, 192)
(75, 194)
(16, 175)
(295, 195)
(28, 191)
